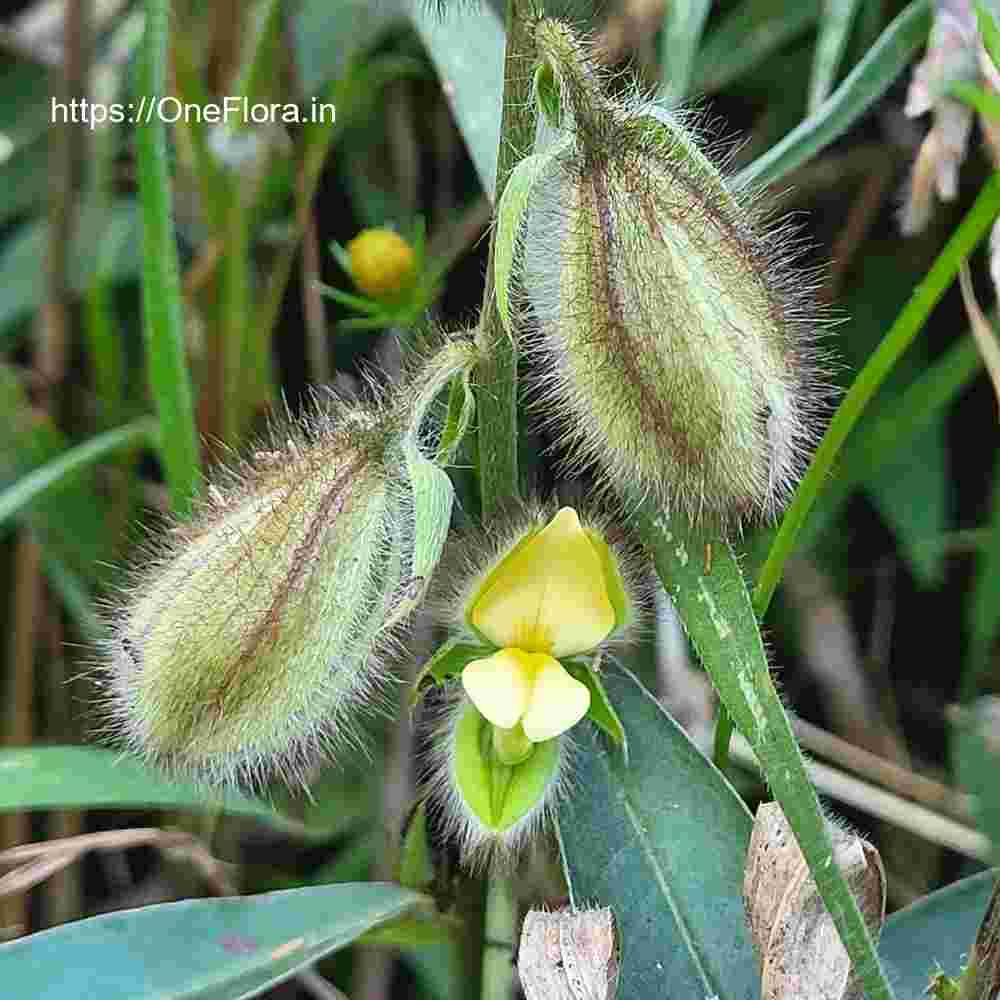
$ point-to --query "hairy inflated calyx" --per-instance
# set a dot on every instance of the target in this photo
(250, 642)
(673, 350)
(248, 636)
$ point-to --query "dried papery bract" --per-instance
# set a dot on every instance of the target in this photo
(569, 955)
(250, 634)
(798, 948)
(674, 354)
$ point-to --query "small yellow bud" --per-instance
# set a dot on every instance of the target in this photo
(383, 264)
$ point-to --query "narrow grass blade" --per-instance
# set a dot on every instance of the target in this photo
(163, 322)
(834, 31)
(32, 486)
(76, 777)
(908, 324)
(747, 36)
(864, 85)
(683, 24)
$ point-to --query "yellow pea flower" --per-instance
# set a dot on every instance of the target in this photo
(555, 594)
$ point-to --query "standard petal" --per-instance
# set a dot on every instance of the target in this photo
(500, 686)
(558, 702)
(548, 595)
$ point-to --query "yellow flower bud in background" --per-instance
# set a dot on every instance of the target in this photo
(383, 264)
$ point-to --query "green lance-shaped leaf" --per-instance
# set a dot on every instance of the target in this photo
(212, 949)
(466, 46)
(713, 603)
(662, 840)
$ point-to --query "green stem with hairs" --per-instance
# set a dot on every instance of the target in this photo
(496, 376)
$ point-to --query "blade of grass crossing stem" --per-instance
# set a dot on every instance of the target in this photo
(864, 85)
(835, 25)
(163, 322)
(683, 24)
(712, 601)
(907, 325)
(30, 487)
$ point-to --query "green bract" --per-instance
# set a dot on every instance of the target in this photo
(498, 795)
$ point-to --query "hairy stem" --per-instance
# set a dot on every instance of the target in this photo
(496, 377)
